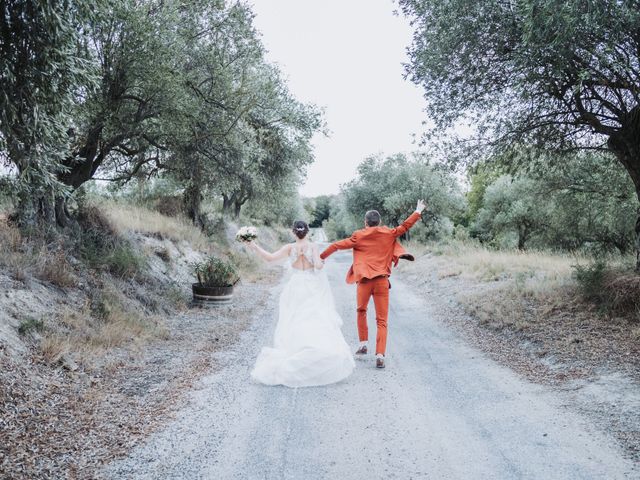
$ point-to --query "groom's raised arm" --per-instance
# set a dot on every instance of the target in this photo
(411, 221)
(345, 244)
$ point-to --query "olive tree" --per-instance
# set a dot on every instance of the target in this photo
(391, 185)
(565, 205)
(559, 74)
(512, 205)
(42, 64)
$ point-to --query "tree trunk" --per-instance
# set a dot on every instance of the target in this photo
(63, 219)
(83, 163)
(227, 202)
(236, 209)
(638, 237)
(626, 146)
(192, 199)
(522, 236)
(26, 211)
(37, 213)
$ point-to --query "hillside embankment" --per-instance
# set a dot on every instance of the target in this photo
(98, 340)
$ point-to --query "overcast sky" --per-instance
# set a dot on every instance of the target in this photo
(345, 56)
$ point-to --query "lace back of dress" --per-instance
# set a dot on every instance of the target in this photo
(306, 253)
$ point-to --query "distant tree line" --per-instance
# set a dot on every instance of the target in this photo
(128, 90)
(580, 202)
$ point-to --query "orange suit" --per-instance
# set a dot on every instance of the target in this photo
(374, 250)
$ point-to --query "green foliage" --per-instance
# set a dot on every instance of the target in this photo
(41, 66)
(591, 280)
(124, 262)
(511, 205)
(556, 72)
(557, 75)
(216, 272)
(392, 185)
(30, 324)
(279, 206)
(244, 135)
(341, 222)
(575, 202)
(129, 90)
(483, 176)
(321, 211)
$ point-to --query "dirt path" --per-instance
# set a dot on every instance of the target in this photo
(441, 410)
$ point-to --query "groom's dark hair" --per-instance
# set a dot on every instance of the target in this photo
(372, 218)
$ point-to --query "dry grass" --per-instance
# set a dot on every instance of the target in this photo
(533, 297)
(476, 261)
(55, 268)
(125, 217)
(623, 290)
(24, 258)
(11, 255)
(54, 347)
(89, 331)
(518, 304)
(517, 289)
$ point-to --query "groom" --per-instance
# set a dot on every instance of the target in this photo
(374, 249)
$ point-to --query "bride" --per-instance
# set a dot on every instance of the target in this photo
(308, 346)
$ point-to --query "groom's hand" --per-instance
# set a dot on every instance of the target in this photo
(420, 206)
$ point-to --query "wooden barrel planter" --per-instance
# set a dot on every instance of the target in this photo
(211, 296)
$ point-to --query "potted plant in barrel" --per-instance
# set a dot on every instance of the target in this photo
(216, 278)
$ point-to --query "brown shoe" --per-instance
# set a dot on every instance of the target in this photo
(379, 362)
(362, 350)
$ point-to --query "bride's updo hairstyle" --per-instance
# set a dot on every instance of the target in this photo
(300, 229)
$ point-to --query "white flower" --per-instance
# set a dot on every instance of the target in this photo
(247, 234)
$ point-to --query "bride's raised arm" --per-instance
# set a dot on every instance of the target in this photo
(279, 254)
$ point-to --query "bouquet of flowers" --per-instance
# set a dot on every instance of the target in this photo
(247, 234)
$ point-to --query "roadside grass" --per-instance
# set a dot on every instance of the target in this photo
(218, 239)
(476, 261)
(126, 217)
(517, 289)
(107, 321)
(24, 258)
(12, 256)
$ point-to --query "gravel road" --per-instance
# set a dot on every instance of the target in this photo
(440, 410)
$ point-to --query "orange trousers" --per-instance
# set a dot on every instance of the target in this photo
(378, 288)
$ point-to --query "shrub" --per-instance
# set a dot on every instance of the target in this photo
(623, 292)
(100, 245)
(591, 279)
(164, 254)
(615, 291)
(56, 269)
(30, 324)
(170, 205)
(96, 237)
(124, 262)
(215, 272)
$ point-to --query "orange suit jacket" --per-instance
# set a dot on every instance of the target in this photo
(374, 249)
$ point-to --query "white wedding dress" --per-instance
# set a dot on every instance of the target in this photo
(308, 346)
